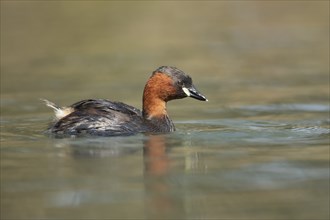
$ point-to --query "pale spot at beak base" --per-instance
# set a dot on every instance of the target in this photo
(186, 91)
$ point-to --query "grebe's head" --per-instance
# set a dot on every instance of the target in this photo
(170, 83)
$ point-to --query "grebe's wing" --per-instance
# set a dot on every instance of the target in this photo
(105, 105)
(100, 117)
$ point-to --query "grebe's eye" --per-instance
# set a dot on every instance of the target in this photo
(180, 82)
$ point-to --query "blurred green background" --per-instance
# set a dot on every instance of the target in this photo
(236, 51)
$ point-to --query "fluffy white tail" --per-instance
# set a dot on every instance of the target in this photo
(59, 112)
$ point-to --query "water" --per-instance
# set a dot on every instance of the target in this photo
(229, 167)
(259, 149)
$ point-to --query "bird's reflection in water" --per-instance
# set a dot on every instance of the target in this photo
(99, 147)
(162, 201)
(160, 198)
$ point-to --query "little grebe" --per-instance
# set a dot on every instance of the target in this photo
(107, 118)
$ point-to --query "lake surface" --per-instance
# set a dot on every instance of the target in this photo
(259, 149)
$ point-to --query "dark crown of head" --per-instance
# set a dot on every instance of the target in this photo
(172, 72)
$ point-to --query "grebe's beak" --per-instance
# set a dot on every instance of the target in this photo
(194, 93)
